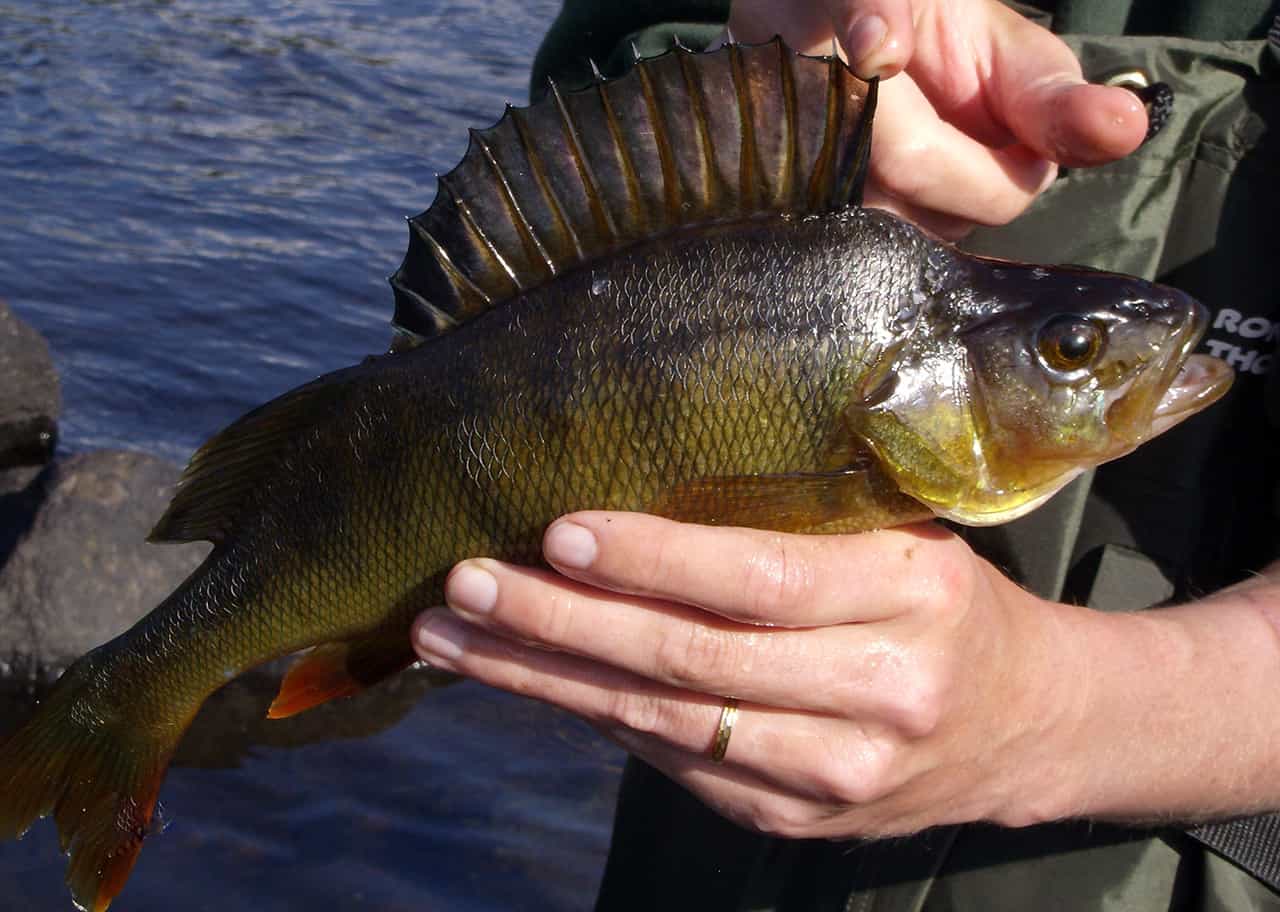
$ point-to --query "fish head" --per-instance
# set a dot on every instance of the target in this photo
(1018, 378)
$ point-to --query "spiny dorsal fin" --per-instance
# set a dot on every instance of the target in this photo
(681, 139)
(219, 480)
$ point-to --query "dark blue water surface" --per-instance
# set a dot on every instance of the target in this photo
(199, 203)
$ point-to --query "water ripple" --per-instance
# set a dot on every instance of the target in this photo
(202, 200)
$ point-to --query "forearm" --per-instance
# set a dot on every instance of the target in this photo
(1176, 712)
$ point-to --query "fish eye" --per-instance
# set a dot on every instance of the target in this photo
(1069, 343)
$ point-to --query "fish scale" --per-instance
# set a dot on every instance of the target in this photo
(658, 293)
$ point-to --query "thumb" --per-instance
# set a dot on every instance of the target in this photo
(1077, 124)
(877, 35)
(1044, 101)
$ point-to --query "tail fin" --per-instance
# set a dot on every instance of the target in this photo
(96, 771)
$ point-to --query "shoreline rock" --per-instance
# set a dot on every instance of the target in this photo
(75, 567)
(20, 491)
(30, 394)
(83, 571)
(30, 402)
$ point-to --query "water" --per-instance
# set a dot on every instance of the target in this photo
(202, 201)
(472, 801)
(199, 204)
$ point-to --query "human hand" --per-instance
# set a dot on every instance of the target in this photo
(986, 106)
(888, 681)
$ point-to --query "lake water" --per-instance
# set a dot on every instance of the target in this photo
(199, 204)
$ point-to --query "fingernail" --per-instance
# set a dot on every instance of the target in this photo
(864, 38)
(442, 637)
(570, 545)
(471, 590)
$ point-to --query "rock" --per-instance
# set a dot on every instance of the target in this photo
(30, 398)
(20, 492)
(83, 572)
(17, 481)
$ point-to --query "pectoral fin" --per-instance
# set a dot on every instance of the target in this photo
(856, 498)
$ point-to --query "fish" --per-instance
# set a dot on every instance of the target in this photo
(656, 292)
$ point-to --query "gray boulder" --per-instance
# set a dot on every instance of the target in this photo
(20, 493)
(30, 398)
(83, 571)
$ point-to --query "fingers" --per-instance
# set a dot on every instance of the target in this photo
(941, 162)
(845, 671)
(722, 786)
(923, 163)
(757, 577)
(989, 106)
(602, 694)
(1077, 124)
(804, 26)
(1036, 91)
(771, 751)
(1001, 79)
(842, 728)
(877, 35)
(843, 802)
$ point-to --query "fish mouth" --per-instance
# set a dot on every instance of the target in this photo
(1191, 382)
(1182, 386)
(1200, 381)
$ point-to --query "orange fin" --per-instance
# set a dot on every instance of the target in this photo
(333, 670)
(96, 771)
(795, 502)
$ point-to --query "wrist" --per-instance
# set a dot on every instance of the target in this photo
(1173, 713)
(1045, 772)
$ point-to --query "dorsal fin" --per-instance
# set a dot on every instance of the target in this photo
(681, 139)
(217, 484)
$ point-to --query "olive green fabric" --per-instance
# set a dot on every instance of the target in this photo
(1186, 514)
(1206, 21)
(602, 30)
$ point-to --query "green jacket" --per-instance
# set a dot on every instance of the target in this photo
(1188, 513)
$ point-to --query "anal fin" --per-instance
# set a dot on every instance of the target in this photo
(853, 499)
(341, 669)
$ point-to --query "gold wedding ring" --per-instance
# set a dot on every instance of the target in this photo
(728, 715)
